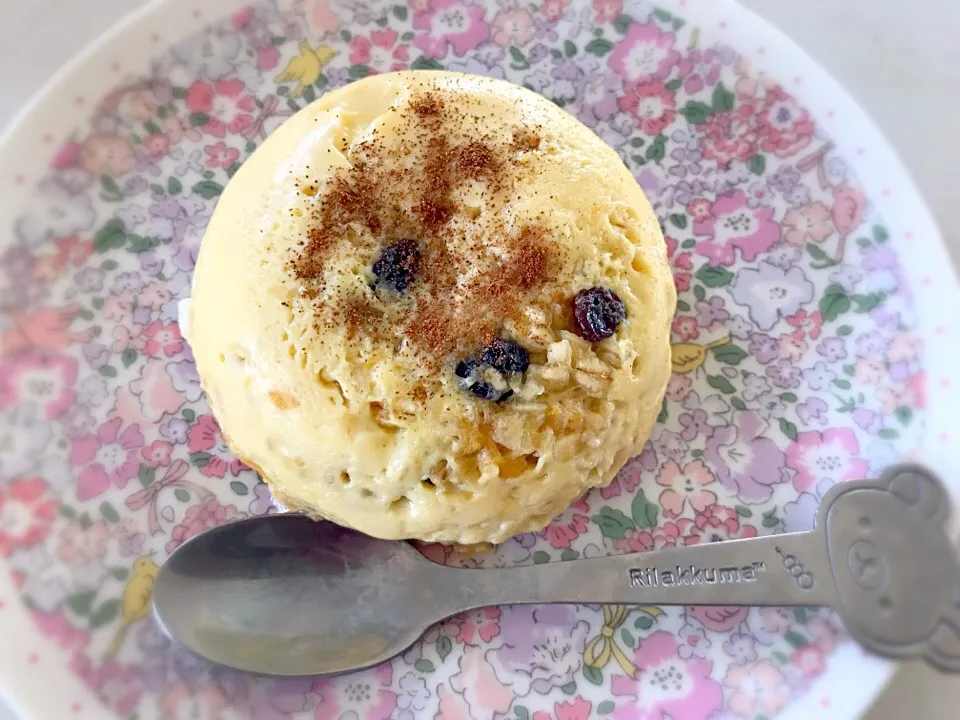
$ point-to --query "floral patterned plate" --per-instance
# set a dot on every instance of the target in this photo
(810, 348)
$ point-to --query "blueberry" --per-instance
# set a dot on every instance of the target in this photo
(506, 356)
(485, 390)
(467, 371)
(397, 265)
(598, 312)
(465, 368)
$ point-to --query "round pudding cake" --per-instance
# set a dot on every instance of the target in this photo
(433, 306)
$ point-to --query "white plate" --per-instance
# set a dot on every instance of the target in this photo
(96, 476)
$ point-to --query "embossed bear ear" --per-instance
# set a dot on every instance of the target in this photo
(943, 648)
(955, 590)
(915, 486)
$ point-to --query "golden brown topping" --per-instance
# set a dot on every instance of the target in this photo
(283, 400)
(525, 140)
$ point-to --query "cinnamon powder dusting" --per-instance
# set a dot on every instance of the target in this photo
(434, 212)
(353, 200)
(430, 326)
(311, 262)
(476, 269)
(530, 257)
(360, 314)
(476, 159)
(427, 104)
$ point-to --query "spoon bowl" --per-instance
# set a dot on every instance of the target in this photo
(286, 595)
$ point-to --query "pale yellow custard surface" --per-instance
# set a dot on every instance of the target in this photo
(344, 394)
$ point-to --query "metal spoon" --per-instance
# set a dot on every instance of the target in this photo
(284, 595)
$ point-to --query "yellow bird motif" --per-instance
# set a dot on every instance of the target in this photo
(305, 68)
(137, 600)
(687, 357)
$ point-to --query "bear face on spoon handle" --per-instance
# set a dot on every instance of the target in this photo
(894, 565)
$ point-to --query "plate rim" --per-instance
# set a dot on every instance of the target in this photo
(32, 699)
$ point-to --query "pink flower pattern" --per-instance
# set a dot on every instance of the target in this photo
(685, 485)
(561, 535)
(577, 709)
(832, 455)
(478, 625)
(671, 534)
(719, 522)
(225, 104)
(653, 105)
(719, 618)
(208, 514)
(27, 512)
(733, 225)
(667, 686)
(757, 689)
(81, 544)
(785, 127)
(380, 52)
(108, 458)
(118, 686)
(157, 453)
(512, 27)
(645, 53)
(446, 24)
(205, 437)
(39, 378)
(369, 701)
(731, 135)
(181, 700)
(163, 338)
(220, 156)
(789, 283)
(809, 222)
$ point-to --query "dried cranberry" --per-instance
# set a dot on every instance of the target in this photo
(598, 312)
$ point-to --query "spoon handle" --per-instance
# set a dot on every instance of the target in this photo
(880, 554)
(788, 569)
